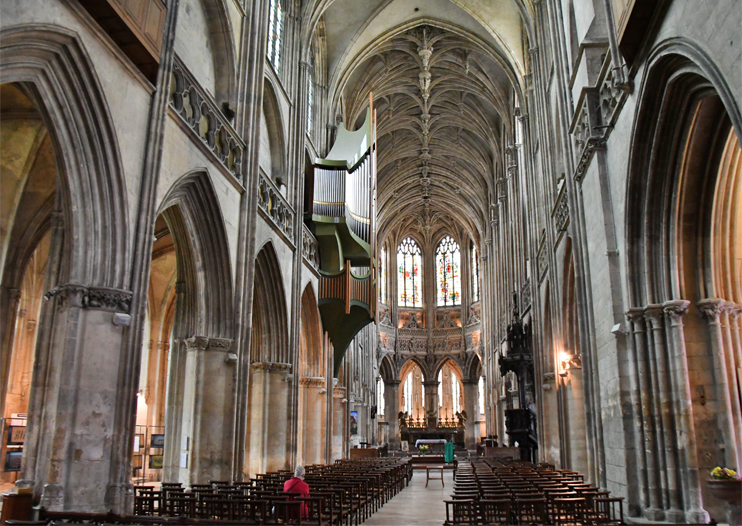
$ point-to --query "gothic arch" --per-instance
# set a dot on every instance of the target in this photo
(191, 210)
(53, 64)
(225, 54)
(386, 369)
(683, 97)
(442, 362)
(269, 340)
(276, 141)
(473, 367)
(310, 357)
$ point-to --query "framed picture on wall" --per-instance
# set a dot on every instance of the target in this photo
(136, 461)
(13, 460)
(157, 441)
(16, 435)
(155, 462)
(354, 422)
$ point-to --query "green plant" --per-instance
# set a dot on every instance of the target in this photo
(719, 473)
(423, 449)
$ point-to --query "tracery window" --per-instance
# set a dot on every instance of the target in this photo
(409, 278)
(382, 276)
(310, 101)
(481, 395)
(448, 261)
(380, 404)
(275, 27)
(474, 273)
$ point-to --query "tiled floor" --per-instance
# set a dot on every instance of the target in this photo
(416, 505)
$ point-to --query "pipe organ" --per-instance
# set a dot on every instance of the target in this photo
(343, 219)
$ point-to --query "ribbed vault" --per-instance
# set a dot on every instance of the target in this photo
(443, 104)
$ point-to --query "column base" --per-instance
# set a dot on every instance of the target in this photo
(697, 516)
(675, 515)
(120, 498)
(654, 514)
(52, 497)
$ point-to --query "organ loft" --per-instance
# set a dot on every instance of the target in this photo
(353, 244)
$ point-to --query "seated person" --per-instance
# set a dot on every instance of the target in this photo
(296, 484)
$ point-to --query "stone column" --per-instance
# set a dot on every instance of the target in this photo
(69, 458)
(314, 416)
(9, 301)
(712, 309)
(471, 395)
(391, 410)
(693, 501)
(647, 465)
(269, 395)
(339, 436)
(431, 402)
(727, 319)
(211, 452)
(655, 347)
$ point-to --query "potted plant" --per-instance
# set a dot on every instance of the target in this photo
(725, 484)
(423, 449)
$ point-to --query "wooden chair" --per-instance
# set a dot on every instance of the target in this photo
(530, 511)
(608, 510)
(569, 511)
(460, 512)
(495, 511)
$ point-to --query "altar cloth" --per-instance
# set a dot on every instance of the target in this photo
(424, 441)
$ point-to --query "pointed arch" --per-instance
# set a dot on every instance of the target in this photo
(191, 210)
(54, 65)
(273, 137)
(386, 369)
(310, 356)
(269, 340)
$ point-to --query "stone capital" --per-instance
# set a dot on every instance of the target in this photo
(392, 383)
(196, 343)
(271, 367)
(338, 393)
(712, 309)
(312, 381)
(653, 315)
(675, 310)
(98, 298)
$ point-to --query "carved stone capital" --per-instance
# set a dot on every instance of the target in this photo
(271, 367)
(312, 381)
(653, 315)
(675, 310)
(338, 393)
(99, 298)
(712, 309)
(196, 343)
(734, 310)
(220, 344)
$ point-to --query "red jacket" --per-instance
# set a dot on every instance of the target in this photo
(296, 485)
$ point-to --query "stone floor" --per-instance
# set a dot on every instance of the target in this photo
(416, 505)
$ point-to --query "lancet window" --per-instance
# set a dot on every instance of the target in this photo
(382, 276)
(310, 102)
(481, 395)
(275, 27)
(380, 404)
(409, 279)
(474, 273)
(448, 261)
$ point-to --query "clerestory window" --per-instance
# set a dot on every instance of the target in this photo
(310, 101)
(382, 276)
(448, 261)
(275, 27)
(409, 260)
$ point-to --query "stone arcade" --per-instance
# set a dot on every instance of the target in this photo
(535, 235)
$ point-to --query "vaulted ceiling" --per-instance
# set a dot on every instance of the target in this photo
(445, 76)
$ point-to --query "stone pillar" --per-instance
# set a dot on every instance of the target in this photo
(69, 458)
(651, 500)
(269, 396)
(339, 435)
(471, 395)
(9, 301)
(211, 452)
(391, 411)
(313, 394)
(431, 402)
(693, 501)
(712, 309)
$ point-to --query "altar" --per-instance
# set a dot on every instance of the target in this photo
(429, 441)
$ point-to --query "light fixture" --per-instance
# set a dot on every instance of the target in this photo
(564, 359)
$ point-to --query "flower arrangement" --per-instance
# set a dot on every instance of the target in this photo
(719, 473)
(423, 449)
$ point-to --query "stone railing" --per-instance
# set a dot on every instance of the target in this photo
(525, 295)
(275, 206)
(560, 214)
(586, 130)
(309, 248)
(202, 116)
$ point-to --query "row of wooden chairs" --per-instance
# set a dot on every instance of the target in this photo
(498, 491)
(344, 493)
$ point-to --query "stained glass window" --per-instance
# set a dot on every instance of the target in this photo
(382, 276)
(275, 26)
(380, 404)
(481, 395)
(448, 260)
(310, 100)
(474, 273)
(409, 278)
